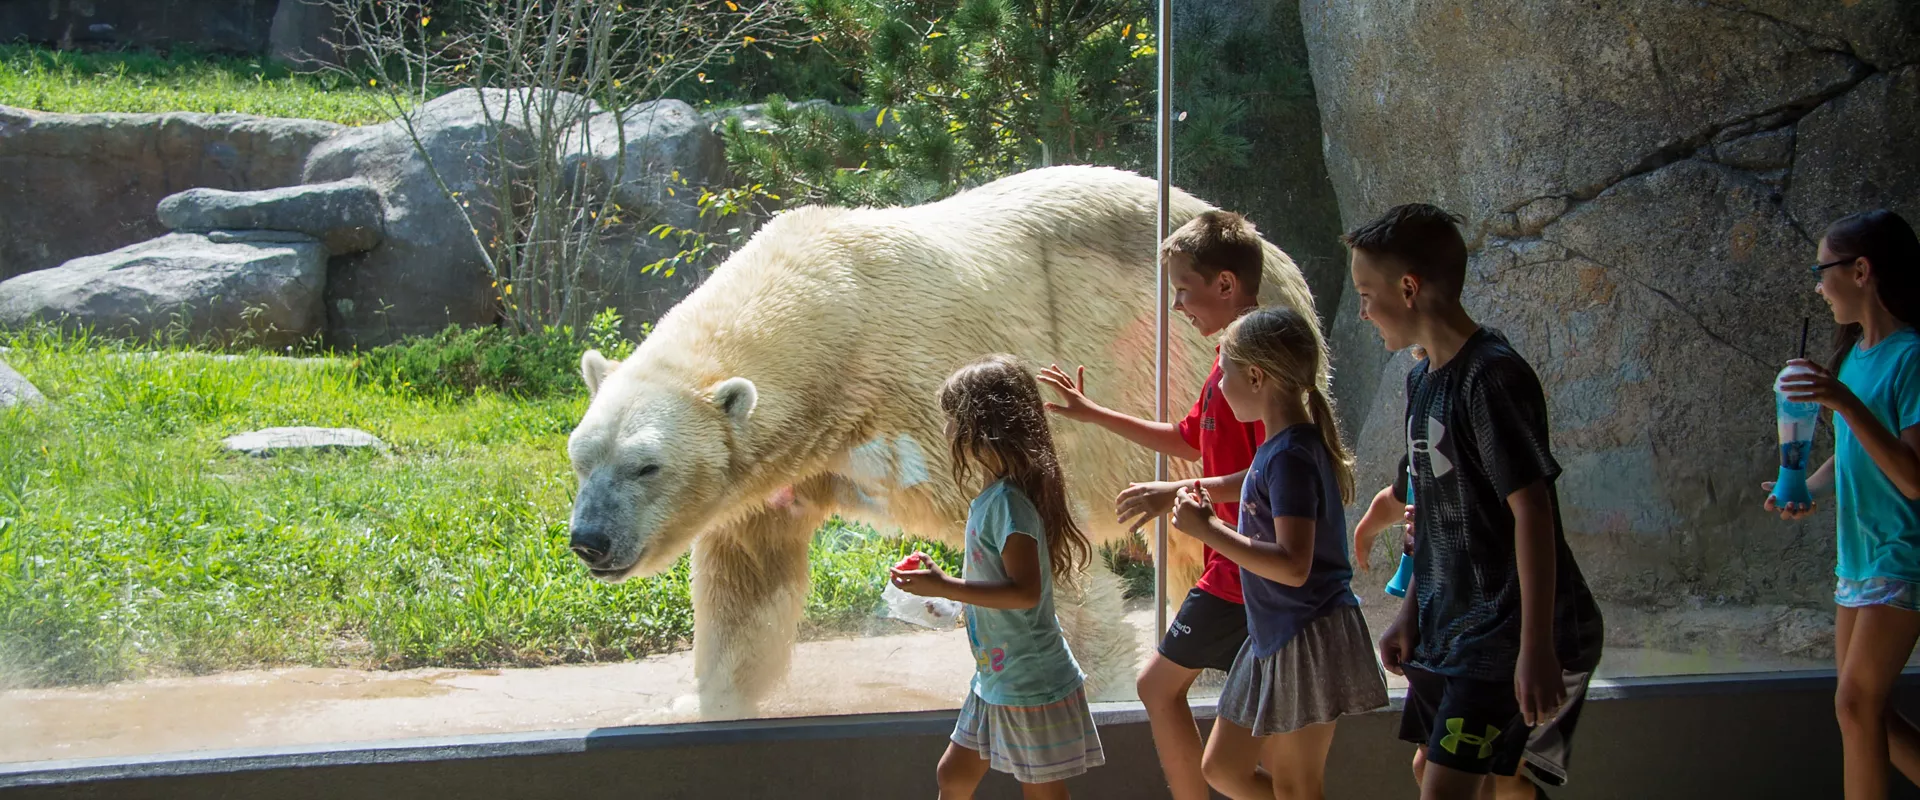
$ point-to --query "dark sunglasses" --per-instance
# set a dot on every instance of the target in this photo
(1817, 268)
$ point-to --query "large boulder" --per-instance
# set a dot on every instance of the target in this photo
(343, 214)
(234, 26)
(1640, 219)
(81, 184)
(305, 34)
(654, 158)
(429, 271)
(257, 287)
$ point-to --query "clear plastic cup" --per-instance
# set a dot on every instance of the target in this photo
(1795, 421)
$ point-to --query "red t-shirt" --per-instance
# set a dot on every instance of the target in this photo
(1226, 446)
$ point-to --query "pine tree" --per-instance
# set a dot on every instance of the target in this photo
(962, 92)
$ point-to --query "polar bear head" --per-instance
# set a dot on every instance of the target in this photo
(654, 459)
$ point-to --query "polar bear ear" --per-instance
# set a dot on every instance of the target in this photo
(594, 368)
(736, 397)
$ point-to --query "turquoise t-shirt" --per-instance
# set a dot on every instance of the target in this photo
(1879, 526)
(1019, 655)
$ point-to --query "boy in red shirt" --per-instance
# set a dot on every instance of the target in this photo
(1214, 263)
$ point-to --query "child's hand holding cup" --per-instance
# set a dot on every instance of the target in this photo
(918, 575)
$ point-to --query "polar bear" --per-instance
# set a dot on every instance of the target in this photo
(799, 381)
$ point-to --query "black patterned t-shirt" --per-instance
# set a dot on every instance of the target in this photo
(1476, 433)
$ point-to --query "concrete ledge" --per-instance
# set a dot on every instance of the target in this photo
(1748, 735)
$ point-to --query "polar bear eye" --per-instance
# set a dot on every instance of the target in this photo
(646, 471)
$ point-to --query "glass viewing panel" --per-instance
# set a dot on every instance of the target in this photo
(173, 579)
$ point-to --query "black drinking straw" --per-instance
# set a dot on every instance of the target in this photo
(1804, 322)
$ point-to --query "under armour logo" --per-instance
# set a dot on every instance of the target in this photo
(1454, 738)
(1436, 457)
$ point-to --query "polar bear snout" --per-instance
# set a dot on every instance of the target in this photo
(591, 545)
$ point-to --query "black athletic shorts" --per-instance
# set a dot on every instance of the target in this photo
(1207, 633)
(1475, 726)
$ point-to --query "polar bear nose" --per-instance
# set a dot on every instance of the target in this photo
(591, 546)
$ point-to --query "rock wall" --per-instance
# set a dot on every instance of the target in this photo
(83, 184)
(1644, 182)
(234, 26)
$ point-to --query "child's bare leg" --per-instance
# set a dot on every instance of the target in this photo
(1233, 754)
(1419, 763)
(1441, 782)
(1163, 687)
(1881, 639)
(1903, 740)
(1512, 787)
(1056, 790)
(960, 772)
(1903, 745)
(1298, 762)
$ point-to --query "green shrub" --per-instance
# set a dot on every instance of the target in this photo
(460, 361)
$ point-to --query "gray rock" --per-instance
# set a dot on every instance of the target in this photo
(305, 34)
(15, 389)
(1629, 232)
(670, 153)
(345, 214)
(279, 440)
(1858, 152)
(754, 119)
(217, 25)
(1761, 152)
(428, 271)
(266, 293)
(1476, 106)
(116, 167)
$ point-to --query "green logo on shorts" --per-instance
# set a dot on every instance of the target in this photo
(1455, 738)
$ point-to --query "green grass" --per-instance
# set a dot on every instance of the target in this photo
(131, 544)
(73, 82)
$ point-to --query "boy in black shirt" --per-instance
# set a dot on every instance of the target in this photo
(1499, 635)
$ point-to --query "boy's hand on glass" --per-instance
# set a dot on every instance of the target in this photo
(1192, 509)
(1141, 502)
(1537, 685)
(926, 581)
(1073, 404)
(1789, 512)
(1817, 385)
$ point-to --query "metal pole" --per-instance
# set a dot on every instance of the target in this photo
(1164, 144)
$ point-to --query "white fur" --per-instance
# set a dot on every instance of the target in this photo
(834, 328)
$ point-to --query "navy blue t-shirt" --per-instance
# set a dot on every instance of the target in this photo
(1292, 476)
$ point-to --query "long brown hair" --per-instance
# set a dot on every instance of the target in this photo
(997, 423)
(1286, 348)
(1887, 242)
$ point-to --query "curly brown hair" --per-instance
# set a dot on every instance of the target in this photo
(997, 423)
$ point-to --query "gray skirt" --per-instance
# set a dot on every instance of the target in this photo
(1326, 671)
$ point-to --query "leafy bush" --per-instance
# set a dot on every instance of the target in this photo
(464, 361)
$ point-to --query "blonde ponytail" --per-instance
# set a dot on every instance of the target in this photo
(1329, 425)
(1287, 347)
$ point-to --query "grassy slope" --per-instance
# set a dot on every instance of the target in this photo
(132, 544)
(71, 82)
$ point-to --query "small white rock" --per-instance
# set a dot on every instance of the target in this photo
(271, 440)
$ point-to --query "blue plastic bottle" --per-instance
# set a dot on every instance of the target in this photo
(1404, 575)
(1796, 422)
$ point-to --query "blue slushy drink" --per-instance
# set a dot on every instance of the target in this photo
(1795, 420)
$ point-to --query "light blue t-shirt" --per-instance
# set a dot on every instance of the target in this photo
(1879, 527)
(1020, 657)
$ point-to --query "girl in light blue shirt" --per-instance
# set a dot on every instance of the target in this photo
(1869, 268)
(1026, 713)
